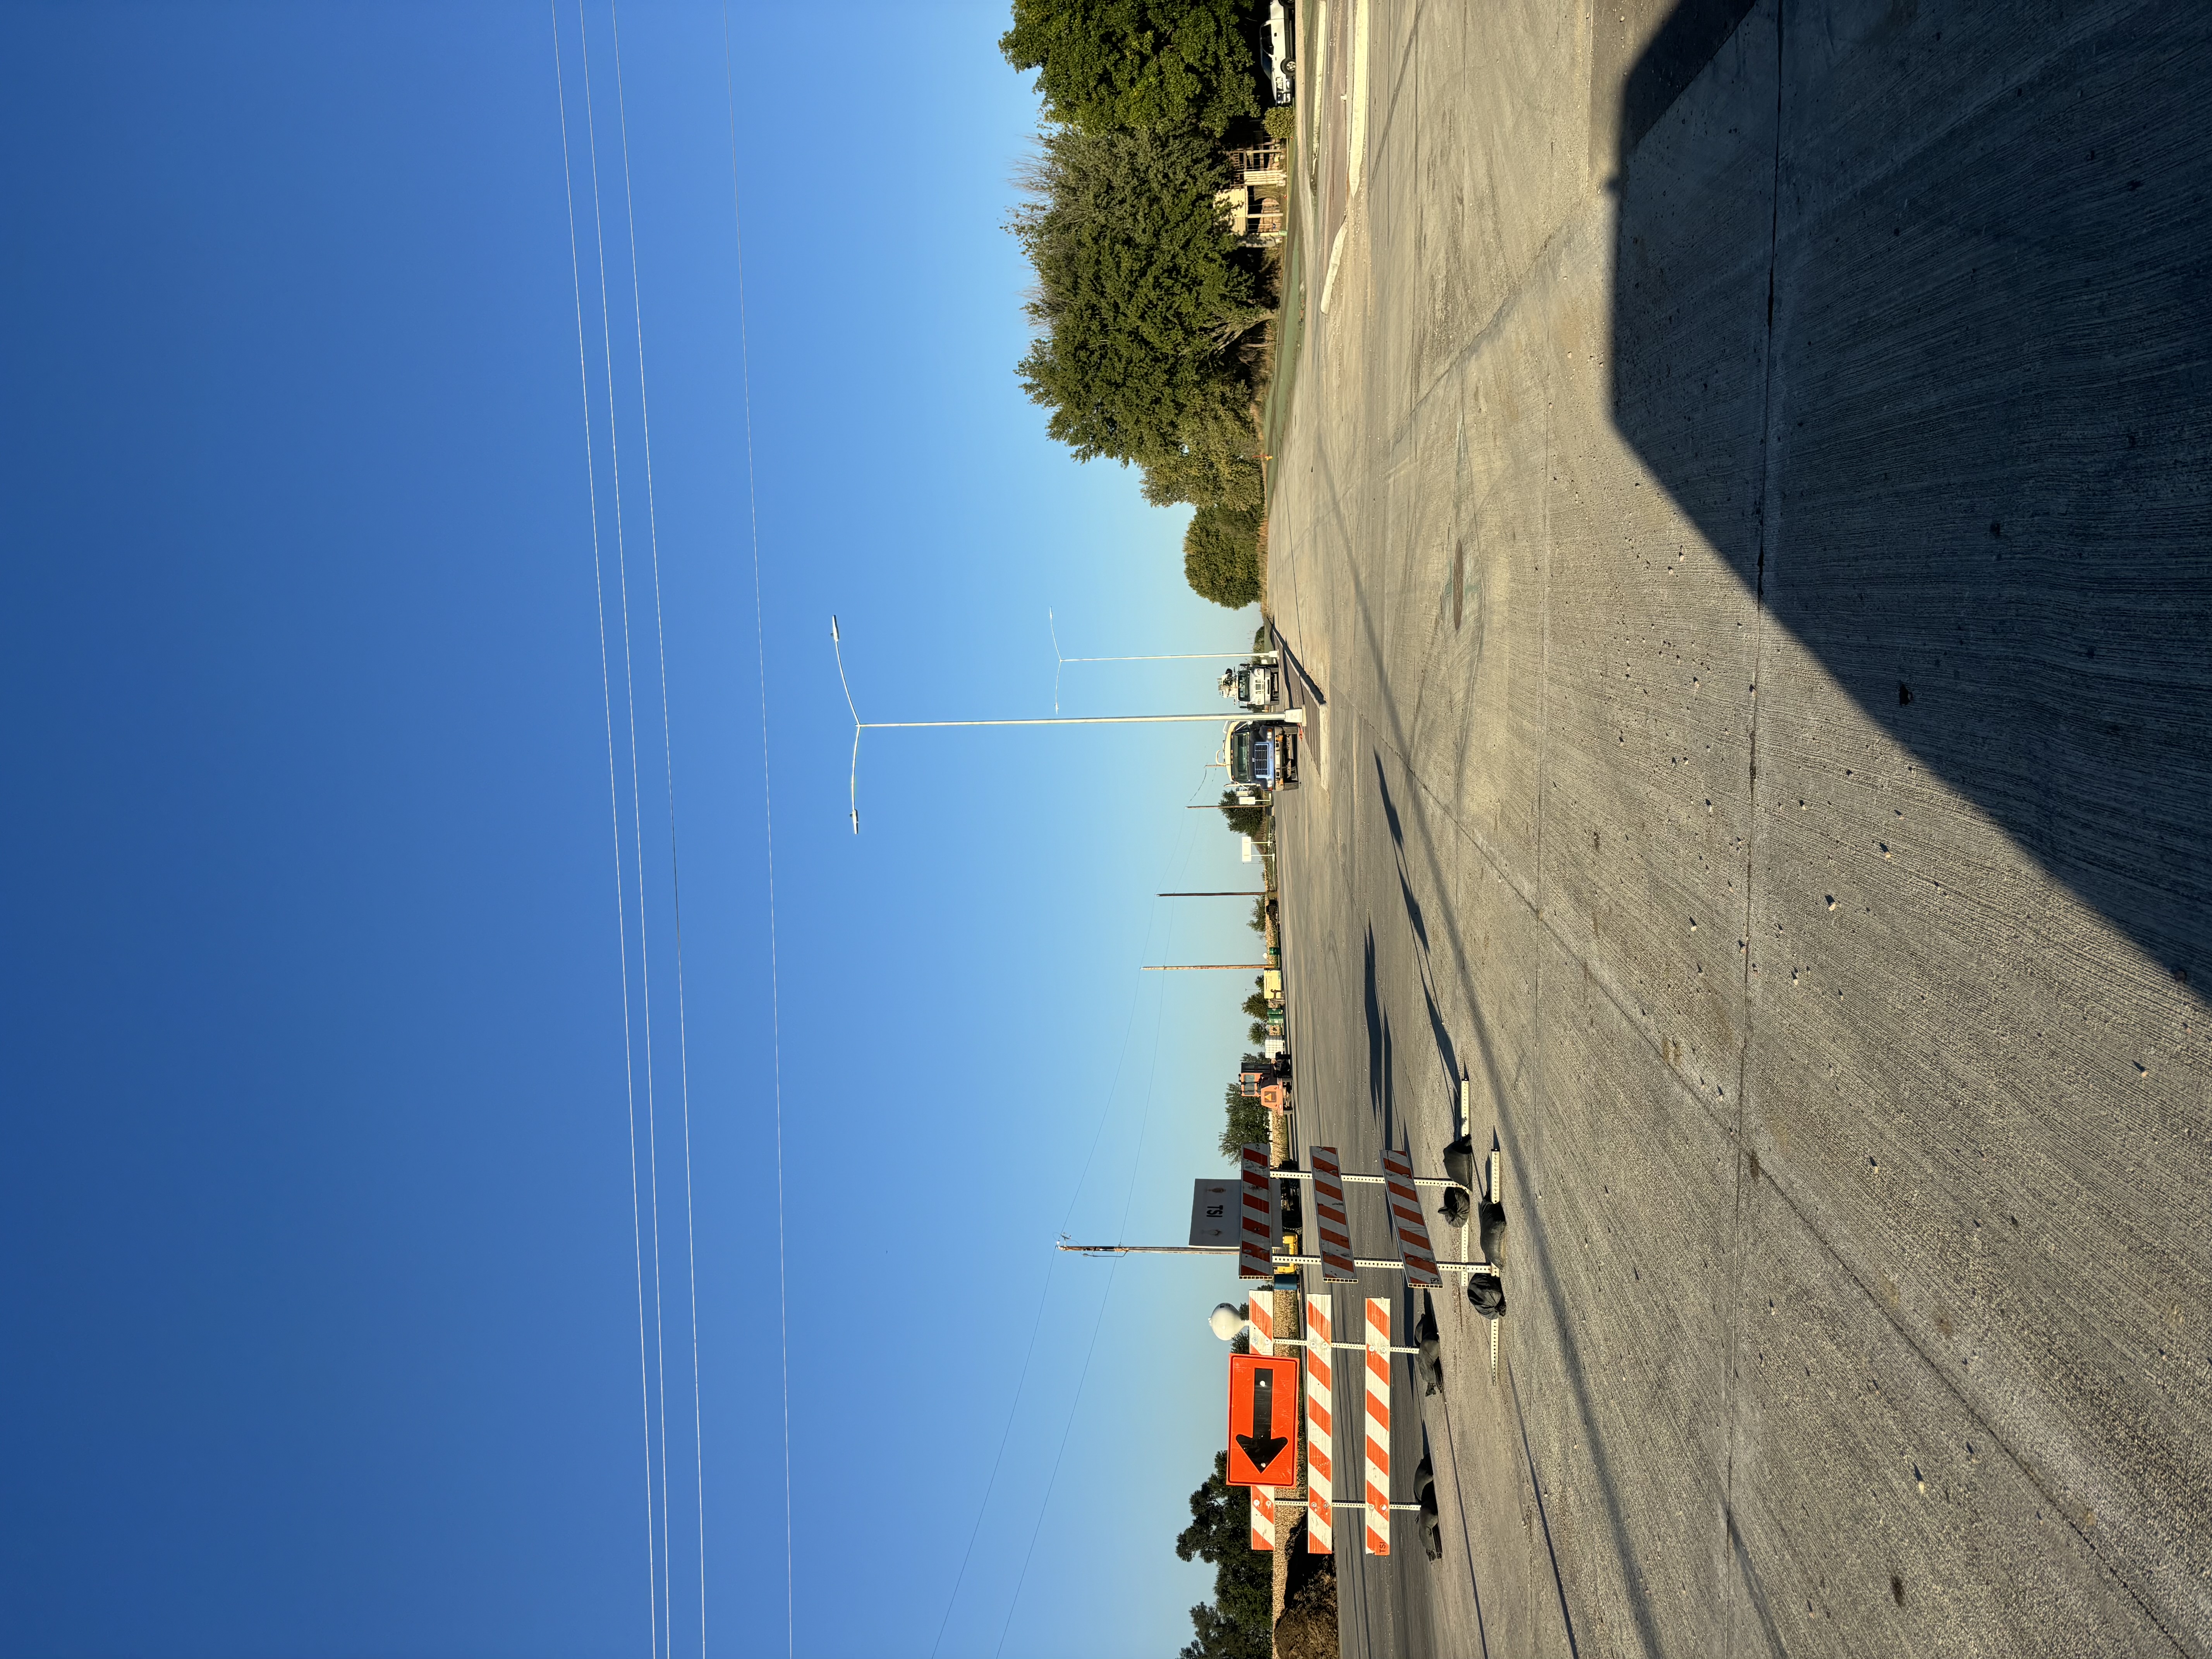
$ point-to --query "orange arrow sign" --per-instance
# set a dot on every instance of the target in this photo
(1263, 1418)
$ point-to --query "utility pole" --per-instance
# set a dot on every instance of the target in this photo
(1294, 716)
(1060, 662)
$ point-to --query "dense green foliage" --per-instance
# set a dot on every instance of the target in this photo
(1118, 64)
(1221, 555)
(1145, 305)
(1242, 820)
(1138, 290)
(1213, 465)
(1247, 1125)
(1240, 1622)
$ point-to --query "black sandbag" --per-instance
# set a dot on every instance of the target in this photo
(1459, 1161)
(1486, 1296)
(1491, 1218)
(1429, 1360)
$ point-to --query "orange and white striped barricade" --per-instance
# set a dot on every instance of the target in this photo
(1321, 1459)
(1332, 1229)
(1412, 1232)
(1263, 1342)
(1255, 1234)
(1378, 1426)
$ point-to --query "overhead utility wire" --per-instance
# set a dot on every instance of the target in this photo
(614, 810)
(637, 814)
(675, 877)
(768, 815)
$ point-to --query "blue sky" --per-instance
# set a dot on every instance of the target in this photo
(322, 1315)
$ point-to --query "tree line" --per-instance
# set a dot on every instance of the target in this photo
(1239, 1623)
(1146, 310)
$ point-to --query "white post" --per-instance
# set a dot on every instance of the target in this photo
(1371, 1180)
(1390, 1264)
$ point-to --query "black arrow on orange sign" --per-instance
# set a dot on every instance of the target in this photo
(1263, 1446)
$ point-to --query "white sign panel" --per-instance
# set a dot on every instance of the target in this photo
(1213, 1213)
(1215, 1216)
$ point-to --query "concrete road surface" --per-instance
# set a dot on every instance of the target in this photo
(1747, 524)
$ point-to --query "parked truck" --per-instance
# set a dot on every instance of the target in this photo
(1262, 754)
(1266, 1078)
(1255, 685)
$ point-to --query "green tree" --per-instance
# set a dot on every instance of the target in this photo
(1247, 1125)
(1221, 555)
(1203, 479)
(1120, 64)
(1242, 820)
(1141, 296)
(1240, 1623)
(1213, 466)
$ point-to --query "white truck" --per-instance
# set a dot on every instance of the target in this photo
(1279, 66)
(1255, 685)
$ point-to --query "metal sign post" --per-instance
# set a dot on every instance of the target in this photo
(1281, 1258)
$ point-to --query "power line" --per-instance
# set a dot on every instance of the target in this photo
(768, 815)
(637, 806)
(614, 808)
(675, 878)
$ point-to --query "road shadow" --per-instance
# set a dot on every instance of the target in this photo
(1298, 671)
(1417, 920)
(1557, 1314)
(1381, 1092)
(1909, 318)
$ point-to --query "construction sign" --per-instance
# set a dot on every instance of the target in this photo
(1261, 1223)
(1331, 1230)
(1263, 1420)
(1262, 1306)
(1320, 1424)
(1378, 1426)
(1405, 1221)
